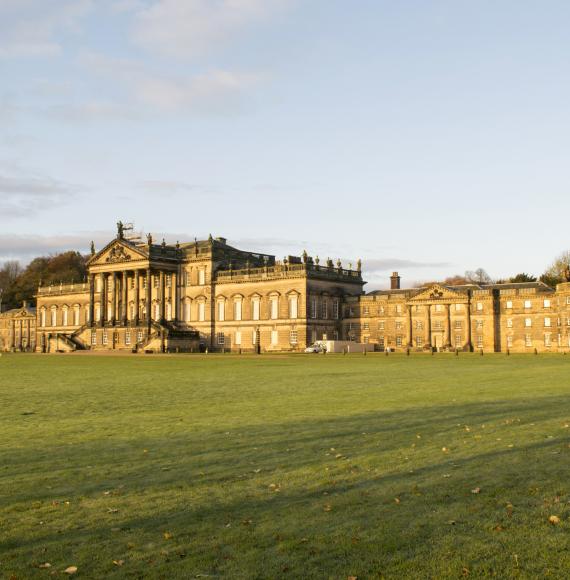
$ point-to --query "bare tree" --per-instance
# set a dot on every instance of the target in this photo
(478, 276)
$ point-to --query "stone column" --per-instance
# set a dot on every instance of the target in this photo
(124, 299)
(148, 297)
(174, 296)
(103, 301)
(91, 300)
(162, 298)
(410, 328)
(428, 325)
(114, 299)
(136, 298)
(448, 325)
(468, 323)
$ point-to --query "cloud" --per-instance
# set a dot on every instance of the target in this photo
(27, 247)
(188, 28)
(33, 28)
(23, 193)
(391, 264)
(215, 92)
(91, 111)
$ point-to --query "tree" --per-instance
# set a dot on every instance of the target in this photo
(557, 271)
(522, 277)
(65, 267)
(478, 276)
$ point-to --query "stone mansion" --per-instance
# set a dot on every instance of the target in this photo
(189, 297)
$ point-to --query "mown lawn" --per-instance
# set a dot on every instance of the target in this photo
(304, 466)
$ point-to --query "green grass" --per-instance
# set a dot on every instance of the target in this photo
(285, 466)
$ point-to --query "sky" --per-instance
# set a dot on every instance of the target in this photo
(425, 136)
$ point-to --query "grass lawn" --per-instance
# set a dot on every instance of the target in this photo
(306, 466)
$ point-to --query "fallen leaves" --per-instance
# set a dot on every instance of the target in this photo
(45, 565)
(70, 570)
(167, 535)
(554, 520)
(476, 490)
(327, 507)
(118, 562)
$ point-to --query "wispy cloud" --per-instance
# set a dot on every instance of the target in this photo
(188, 28)
(31, 28)
(389, 264)
(23, 192)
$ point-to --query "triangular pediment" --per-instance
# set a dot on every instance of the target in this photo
(118, 251)
(437, 292)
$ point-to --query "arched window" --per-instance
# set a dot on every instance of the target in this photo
(43, 317)
(274, 307)
(201, 311)
(168, 311)
(54, 315)
(76, 315)
(64, 312)
(221, 310)
(187, 311)
(97, 312)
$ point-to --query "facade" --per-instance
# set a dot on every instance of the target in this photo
(207, 295)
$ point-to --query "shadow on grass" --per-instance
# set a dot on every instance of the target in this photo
(391, 502)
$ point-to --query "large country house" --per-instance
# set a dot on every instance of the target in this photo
(141, 296)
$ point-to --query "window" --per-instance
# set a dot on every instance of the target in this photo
(366, 339)
(274, 307)
(64, 317)
(156, 308)
(458, 340)
(479, 341)
(105, 337)
(128, 337)
(293, 306)
(547, 321)
(168, 280)
(97, 312)
(144, 283)
(381, 325)
(76, 315)
(254, 337)
(237, 309)
(528, 322)
(335, 309)
(366, 311)
(546, 303)
(458, 325)
(528, 339)
(187, 311)
(398, 309)
(237, 337)
(313, 336)
(419, 341)
(366, 326)
(509, 305)
(201, 277)
(381, 309)
(382, 341)
(398, 325)
(398, 340)
(313, 307)
(43, 317)
(439, 307)
(509, 322)
(221, 310)
(479, 306)
(156, 280)
(419, 325)
(274, 337)
(325, 309)
(527, 304)
(221, 339)
(293, 337)
(510, 341)
(168, 311)
(93, 338)
(255, 309)
(547, 339)
(54, 317)
(459, 307)
(187, 279)
(139, 336)
(567, 299)
(201, 311)
(437, 325)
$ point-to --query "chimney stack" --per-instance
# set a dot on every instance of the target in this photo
(394, 281)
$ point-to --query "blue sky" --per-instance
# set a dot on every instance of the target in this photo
(430, 137)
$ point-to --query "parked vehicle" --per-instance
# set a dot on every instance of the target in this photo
(316, 348)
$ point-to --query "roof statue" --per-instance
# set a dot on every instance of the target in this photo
(149, 239)
(120, 230)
